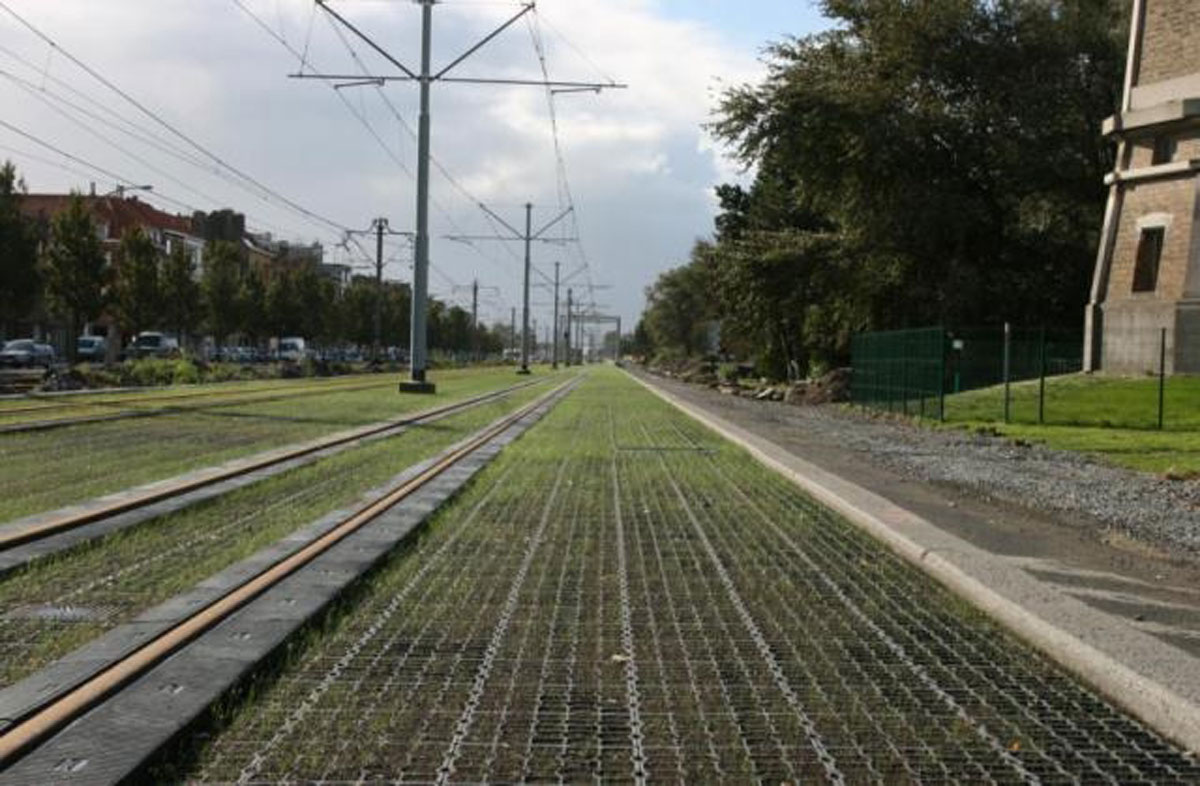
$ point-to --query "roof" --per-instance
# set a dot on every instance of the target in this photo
(119, 214)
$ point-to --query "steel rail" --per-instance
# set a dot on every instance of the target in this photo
(43, 721)
(23, 427)
(40, 530)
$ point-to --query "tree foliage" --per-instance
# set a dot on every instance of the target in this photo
(221, 284)
(180, 292)
(18, 250)
(75, 269)
(136, 290)
(922, 163)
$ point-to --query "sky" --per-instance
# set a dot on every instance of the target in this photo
(221, 125)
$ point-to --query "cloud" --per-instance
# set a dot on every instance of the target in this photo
(640, 165)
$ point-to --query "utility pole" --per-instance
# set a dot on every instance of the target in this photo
(525, 311)
(514, 330)
(554, 329)
(527, 237)
(417, 383)
(567, 333)
(379, 227)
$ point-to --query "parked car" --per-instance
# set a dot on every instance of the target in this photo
(91, 348)
(26, 352)
(151, 344)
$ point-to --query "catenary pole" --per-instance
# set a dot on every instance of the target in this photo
(420, 293)
(525, 308)
(380, 225)
(554, 328)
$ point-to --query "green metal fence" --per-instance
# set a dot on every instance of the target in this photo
(900, 371)
(912, 371)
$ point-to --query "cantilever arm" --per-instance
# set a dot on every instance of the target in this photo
(524, 10)
(324, 5)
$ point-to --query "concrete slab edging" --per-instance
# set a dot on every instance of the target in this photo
(1164, 710)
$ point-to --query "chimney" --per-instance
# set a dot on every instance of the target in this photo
(93, 189)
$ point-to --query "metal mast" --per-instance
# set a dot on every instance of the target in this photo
(417, 381)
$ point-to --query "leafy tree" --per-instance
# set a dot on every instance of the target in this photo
(19, 282)
(252, 307)
(137, 295)
(954, 142)
(284, 309)
(220, 285)
(75, 269)
(680, 305)
(180, 292)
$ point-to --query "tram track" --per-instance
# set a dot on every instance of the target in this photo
(37, 722)
(39, 527)
(209, 400)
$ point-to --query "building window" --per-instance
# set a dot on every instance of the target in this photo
(1145, 273)
(1164, 150)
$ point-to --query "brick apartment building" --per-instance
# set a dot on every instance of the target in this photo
(1147, 275)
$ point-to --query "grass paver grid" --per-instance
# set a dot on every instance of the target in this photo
(60, 603)
(47, 470)
(742, 633)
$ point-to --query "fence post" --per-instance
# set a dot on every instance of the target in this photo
(1007, 366)
(942, 377)
(1042, 376)
(904, 375)
(1162, 374)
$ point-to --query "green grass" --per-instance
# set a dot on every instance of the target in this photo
(47, 470)
(1112, 418)
(137, 568)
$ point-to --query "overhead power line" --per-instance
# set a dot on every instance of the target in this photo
(264, 192)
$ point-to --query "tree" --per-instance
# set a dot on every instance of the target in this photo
(18, 250)
(938, 154)
(180, 292)
(253, 318)
(136, 295)
(75, 269)
(220, 285)
(680, 305)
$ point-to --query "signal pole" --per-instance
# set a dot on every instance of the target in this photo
(417, 383)
(525, 310)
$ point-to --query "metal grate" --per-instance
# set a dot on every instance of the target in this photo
(591, 613)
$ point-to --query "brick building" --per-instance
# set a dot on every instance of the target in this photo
(1147, 275)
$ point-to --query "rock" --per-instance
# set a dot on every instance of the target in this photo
(831, 388)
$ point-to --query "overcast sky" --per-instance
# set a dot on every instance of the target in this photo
(639, 168)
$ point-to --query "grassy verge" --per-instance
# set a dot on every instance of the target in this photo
(46, 470)
(1112, 418)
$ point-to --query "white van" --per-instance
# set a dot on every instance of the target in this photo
(292, 349)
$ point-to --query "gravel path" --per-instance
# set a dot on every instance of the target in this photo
(1141, 506)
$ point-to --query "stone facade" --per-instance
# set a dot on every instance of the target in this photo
(1147, 277)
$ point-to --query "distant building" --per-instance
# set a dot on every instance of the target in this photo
(116, 215)
(338, 273)
(1147, 275)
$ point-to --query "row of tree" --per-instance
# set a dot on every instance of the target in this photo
(921, 163)
(62, 271)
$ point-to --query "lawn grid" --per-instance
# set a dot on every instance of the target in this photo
(60, 603)
(623, 596)
(47, 470)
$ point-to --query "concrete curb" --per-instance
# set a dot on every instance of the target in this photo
(1170, 714)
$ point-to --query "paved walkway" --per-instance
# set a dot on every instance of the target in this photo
(1123, 617)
